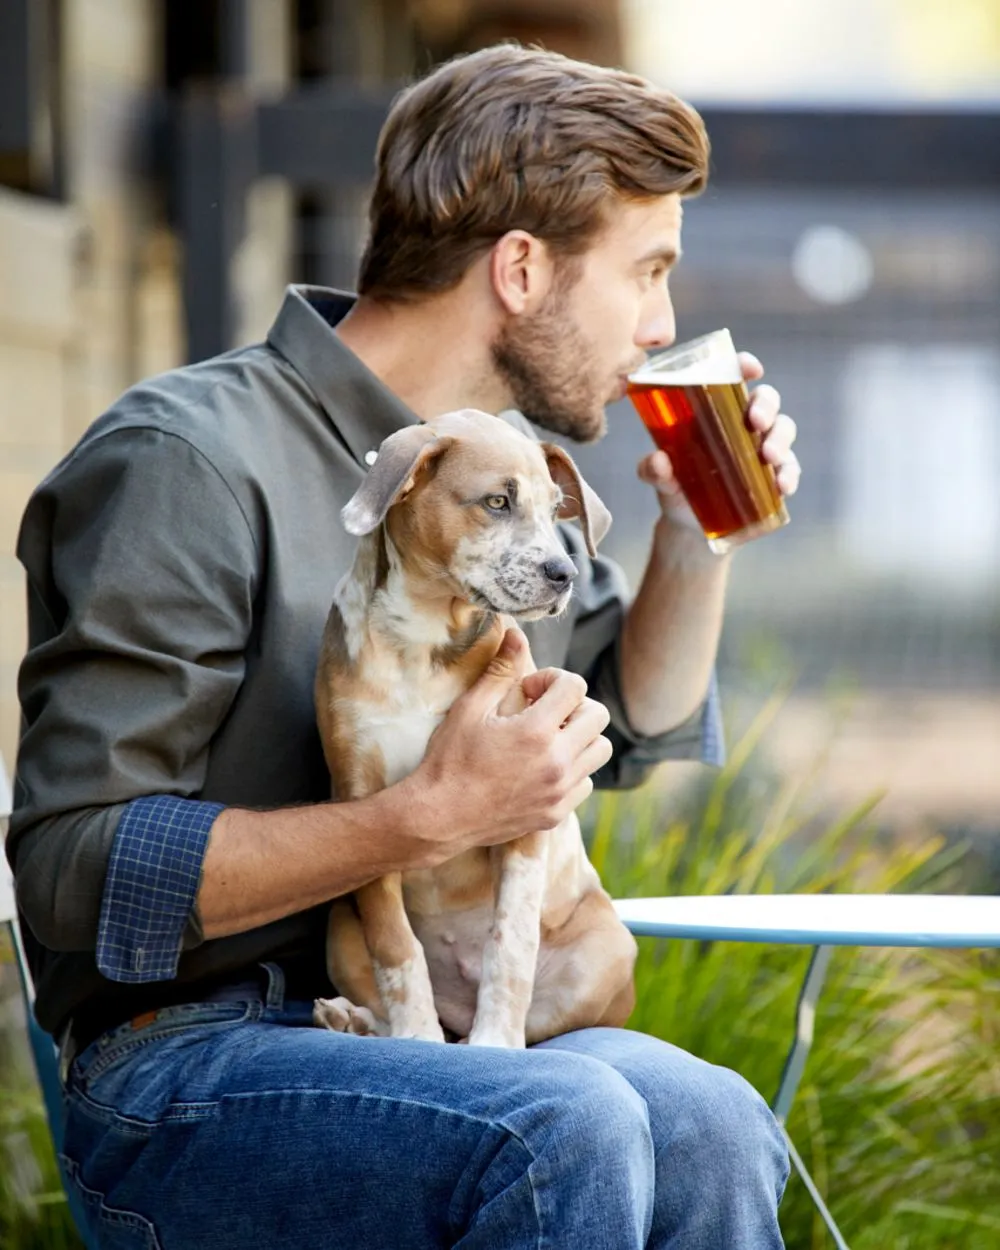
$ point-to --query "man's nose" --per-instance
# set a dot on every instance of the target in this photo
(659, 327)
(559, 571)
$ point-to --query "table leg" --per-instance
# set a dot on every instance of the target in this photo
(805, 1020)
(814, 1194)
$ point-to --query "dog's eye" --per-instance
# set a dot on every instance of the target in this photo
(497, 503)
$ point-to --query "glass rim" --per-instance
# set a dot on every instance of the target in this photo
(683, 356)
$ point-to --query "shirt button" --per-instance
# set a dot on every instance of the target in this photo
(370, 457)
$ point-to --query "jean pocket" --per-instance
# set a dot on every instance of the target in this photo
(113, 1052)
(113, 1228)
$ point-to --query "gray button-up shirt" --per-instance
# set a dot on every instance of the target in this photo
(181, 561)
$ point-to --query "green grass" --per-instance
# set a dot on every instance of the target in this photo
(898, 1115)
(34, 1214)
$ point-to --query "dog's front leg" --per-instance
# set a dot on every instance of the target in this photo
(398, 961)
(511, 954)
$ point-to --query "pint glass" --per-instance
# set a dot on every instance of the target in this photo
(693, 401)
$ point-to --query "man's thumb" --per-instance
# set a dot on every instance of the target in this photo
(508, 665)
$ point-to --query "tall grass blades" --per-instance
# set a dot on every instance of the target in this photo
(34, 1214)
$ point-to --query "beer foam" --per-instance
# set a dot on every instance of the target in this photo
(704, 361)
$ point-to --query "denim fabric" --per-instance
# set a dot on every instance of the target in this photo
(237, 1124)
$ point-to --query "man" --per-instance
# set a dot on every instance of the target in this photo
(173, 851)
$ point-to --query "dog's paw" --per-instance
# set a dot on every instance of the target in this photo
(340, 1015)
(428, 1032)
(332, 1013)
(504, 1038)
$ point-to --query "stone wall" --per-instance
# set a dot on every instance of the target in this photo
(38, 330)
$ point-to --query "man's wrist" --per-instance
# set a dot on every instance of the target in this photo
(406, 811)
(679, 539)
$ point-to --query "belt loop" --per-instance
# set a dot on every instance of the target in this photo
(275, 1000)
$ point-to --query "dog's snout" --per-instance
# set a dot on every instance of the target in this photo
(559, 572)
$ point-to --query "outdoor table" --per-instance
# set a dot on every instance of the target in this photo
(821, 921)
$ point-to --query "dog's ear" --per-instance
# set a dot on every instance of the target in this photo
(400, 459)
(579, 500)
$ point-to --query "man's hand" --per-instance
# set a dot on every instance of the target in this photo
(765, 416)
(488, 777)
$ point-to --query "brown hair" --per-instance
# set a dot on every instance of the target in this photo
(513, 138)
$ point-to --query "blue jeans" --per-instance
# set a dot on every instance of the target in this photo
(237, 1124)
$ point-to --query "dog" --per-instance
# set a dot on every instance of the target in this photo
(501, 946)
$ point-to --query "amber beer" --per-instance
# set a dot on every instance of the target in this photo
(693, 402)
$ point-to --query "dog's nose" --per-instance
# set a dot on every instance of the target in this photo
(560, 572)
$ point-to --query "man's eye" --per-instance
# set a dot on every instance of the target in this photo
(497, 503)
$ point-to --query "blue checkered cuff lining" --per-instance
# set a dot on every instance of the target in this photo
(713, 739)
(150, 889)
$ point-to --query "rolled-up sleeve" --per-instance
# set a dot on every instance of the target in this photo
(137, 634)
(602, 600)
(149, 893)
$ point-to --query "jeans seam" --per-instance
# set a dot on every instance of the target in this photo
(127, 1125)
(105, 1213)
(423, 1104)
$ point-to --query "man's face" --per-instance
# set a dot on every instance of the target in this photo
(569, 359)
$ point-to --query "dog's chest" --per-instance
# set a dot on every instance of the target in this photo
(400, 725)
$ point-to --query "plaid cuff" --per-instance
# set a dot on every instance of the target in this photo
(150, 888)
(700, 737)
(713, 739)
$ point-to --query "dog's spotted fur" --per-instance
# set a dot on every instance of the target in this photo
(504, 945)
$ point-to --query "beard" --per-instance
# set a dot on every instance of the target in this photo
(545, 361)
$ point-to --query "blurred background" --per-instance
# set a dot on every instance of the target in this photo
(167, 167)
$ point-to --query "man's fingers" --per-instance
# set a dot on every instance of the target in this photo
(584, 724)
(778, 443)
(506, 667)
(656, 470)
(750, 366)
(789, 475)
(765, 404)
(581, 793)
(594, 757)
(562, 695)
(534, 685)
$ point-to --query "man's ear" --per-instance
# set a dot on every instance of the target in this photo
(401, 458)
(521, 271)
(579, 500)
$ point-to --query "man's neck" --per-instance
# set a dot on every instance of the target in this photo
(434, 355)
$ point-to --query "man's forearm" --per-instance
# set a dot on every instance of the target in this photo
(671, 633)
(262, 866)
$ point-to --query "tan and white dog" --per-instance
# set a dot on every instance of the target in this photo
(502, 945)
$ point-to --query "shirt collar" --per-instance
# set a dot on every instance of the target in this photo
(362, 409)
